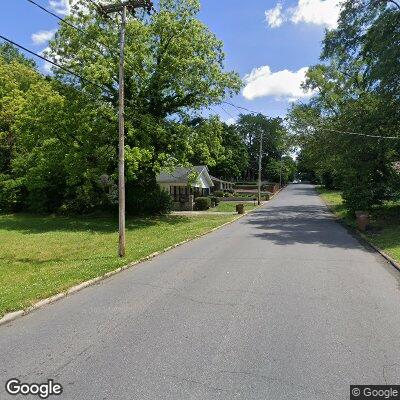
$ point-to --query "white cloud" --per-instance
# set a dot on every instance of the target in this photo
(231, 121)
(42, 36)
(47, 67)
(274, 16)
(62, 7)
(262, 82)
(317, 12)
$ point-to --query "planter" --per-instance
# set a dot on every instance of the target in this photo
(362, 218)
(240, 208)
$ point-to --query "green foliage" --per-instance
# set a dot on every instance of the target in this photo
(58, 136)
(219, 193)
(144, 196)
(202, 203)
(11, 193)
(215, 200)
(234, 157)
(276, 143)
(356, 92)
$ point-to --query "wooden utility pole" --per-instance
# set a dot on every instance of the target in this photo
(121, 145)
(260, 168)
(122, 8)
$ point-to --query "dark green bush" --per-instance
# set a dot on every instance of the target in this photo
(203, 203)
(215, 200)
(150, 200)
(219, 193)
(10, 194)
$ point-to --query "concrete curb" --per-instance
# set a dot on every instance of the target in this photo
(360, 236)
(77, 288)
(391, 260)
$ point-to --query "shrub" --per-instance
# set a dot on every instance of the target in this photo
(203, 203)
(150, 201)
(219, 193)
(215, 201)
(10, 194)
(159, 203)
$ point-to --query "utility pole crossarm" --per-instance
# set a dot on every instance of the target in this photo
(129, 5)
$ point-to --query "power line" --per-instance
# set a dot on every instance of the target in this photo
(53, 63)
(62, 20)
(226, 112)
(238, 108)
(361, 134)
(55, 16)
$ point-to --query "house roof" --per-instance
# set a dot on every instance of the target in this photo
(219, 180)
(181, 174)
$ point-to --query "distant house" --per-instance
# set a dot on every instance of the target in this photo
(219, 184)
(184, 184)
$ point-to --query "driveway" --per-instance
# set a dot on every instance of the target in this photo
(282, 304)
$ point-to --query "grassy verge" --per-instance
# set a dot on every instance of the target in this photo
(230, 206)
(42, 256)
(385, 222)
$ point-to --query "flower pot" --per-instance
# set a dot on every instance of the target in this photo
(240, 208)
(362, 218)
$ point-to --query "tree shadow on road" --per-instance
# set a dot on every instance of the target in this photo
(306, 224)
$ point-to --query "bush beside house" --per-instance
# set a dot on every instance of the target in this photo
(203, 203)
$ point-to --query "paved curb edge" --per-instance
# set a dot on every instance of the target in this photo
(77, 288)
(360, 236)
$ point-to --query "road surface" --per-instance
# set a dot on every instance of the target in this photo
(283, 304)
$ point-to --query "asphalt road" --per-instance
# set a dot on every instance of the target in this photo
(283, 304)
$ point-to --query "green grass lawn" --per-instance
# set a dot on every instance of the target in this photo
(385, 222)
(230, 206)
(42, 256)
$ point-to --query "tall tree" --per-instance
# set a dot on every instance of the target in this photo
(356, 103)
(275, 141)
(174, 67)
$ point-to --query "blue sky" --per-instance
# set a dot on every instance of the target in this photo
(269, 42)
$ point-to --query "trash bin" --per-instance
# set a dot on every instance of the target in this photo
(362, 220)
(240, 208)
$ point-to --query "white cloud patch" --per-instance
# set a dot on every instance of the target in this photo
(274, 16)
(61, 7)
(47, 67)
(42, 36)
(317, 12)
(231, 121)
(65, 7)
(262, 82)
